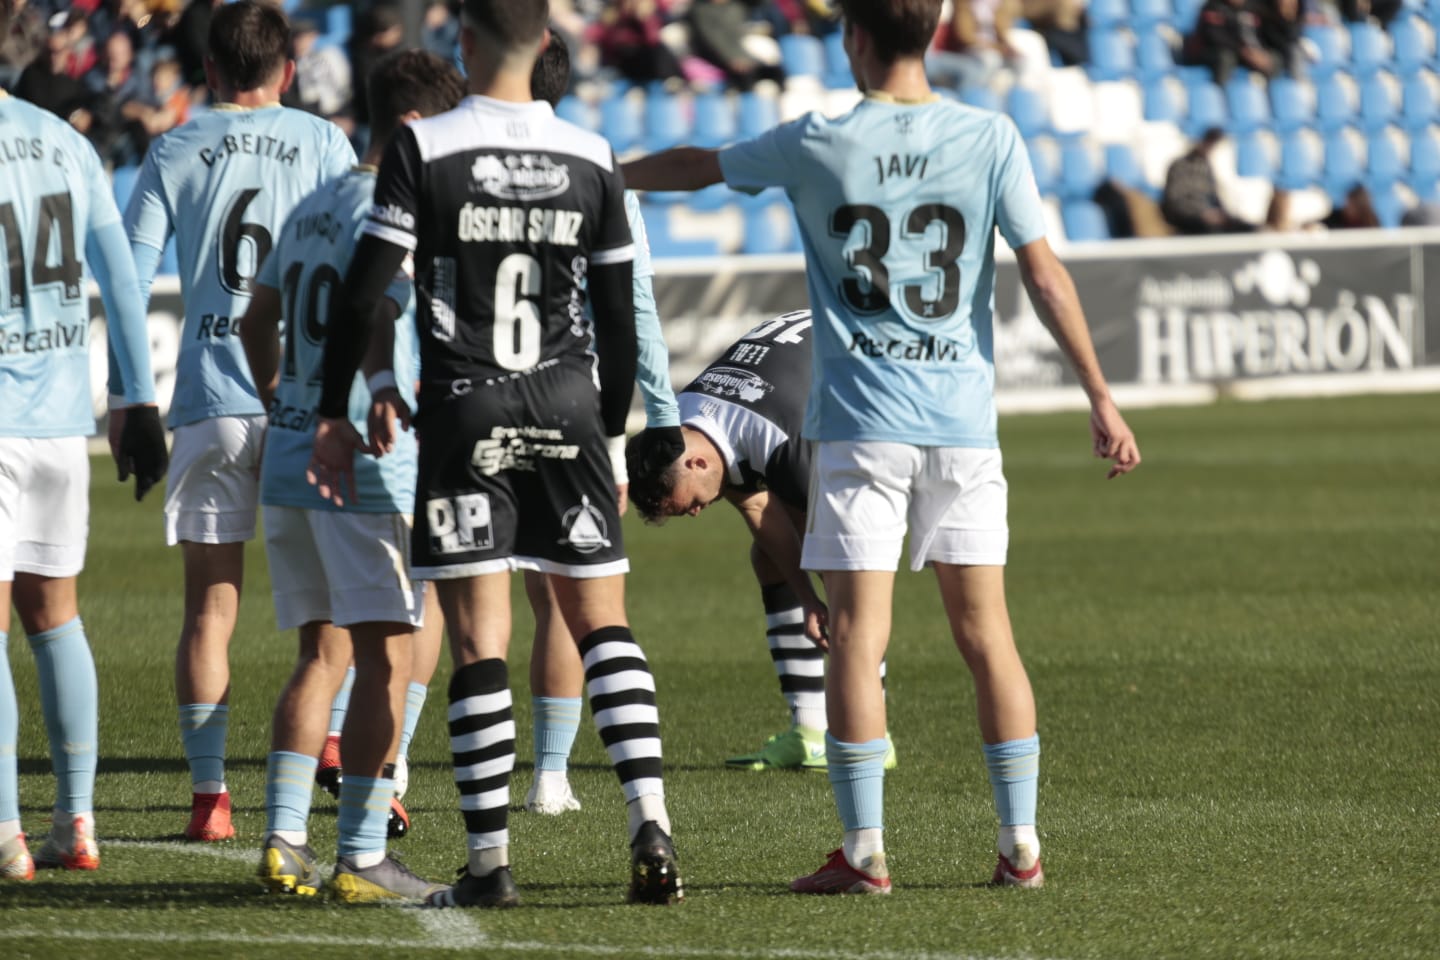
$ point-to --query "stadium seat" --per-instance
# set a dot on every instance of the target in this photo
(1385, 158)
(667, 122)
(837, 64)
(1122, 166)
(1165, 100)
(578, 112)
(1335, 102)
(1072, 103)
(1420, 101)
(1425, 157)
(1292, 104)
(1249, 107)
(1390, 205)
(338, 22)
(1119, 111)
(1153, 55)
(713, 197)
(1081, 170)
(122, 184)
(1300, 161)
(1186, 13)
(715, 123)
(1112, 52)
(622, 122)
(1379, 101)
(802, 55)
(1254, 156)
(770, 229)
(664, 244)
(1030, 111)
(757, 114)
(1084, 221)
(1206, 109)
(1343, 167)
(1414, 44)
(1106, 13)
(1146, 15)
(1369, 48)
(1045, 163)
(1332, 49)
(981, 96)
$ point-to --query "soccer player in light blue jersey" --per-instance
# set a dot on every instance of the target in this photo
(58, 217)
(222, 184)
(898, 202)
(341, 574)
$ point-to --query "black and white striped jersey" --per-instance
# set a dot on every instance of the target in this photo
(506, 207)
(751, 404)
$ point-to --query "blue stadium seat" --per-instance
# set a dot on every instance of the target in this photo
(1044, 165)
(713, 197)
(1413, 50)
(1186, 13)
(1146, 15)
(1207, 109)
(578, 112)
(338, 22)
(770, 229)
(1419, 104)
(1194, 76)
(715, 123)
(1300, 162)
(1084, 221)
(1249, 107)
(663, 244)
(1122, 166)
(757, 114)
(122, 183)
(1106, 13)
(1289, 105)
(622, 123)
(1389, 206)
(1112, 52)
(1383, 163)
(1369, 48)
(1378, 106)
(1080, 173)
(1030, 110)
(1342, 168)
(1252, 159)
(1333, 107)
(1330, 46)
(1425, 157)
(667, 122)
(802, 55)
(837, 64)
(1162, 103)
(982, 97)
(1153, 55)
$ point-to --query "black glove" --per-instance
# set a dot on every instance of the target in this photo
(142, 449)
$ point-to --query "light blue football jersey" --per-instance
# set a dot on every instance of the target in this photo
(54, 197)
(224, 183)
(307, 266)
(897, 205)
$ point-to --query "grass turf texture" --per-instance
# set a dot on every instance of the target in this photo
(1234, 654)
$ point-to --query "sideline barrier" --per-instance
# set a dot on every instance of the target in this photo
(1174, 321)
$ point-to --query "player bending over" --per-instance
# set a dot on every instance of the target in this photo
(512, 215)
(741, 423)
(898, 202)
(223, 184)
(60, 218)
(341, 575)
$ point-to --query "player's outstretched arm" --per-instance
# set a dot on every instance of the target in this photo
(260, 336)
(1052, 292)
(777, 536)
(683, 168)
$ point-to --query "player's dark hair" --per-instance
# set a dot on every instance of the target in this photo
(7, 10)
(249, 43)
(410, 80)
(651, 483)
(898, 28)
(551, 76)
(511, 23)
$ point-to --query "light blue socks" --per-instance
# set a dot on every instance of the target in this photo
(70, 699)
(289, 782)
(9, 735)
(1014, 777)
(556, 720)
(364, 814)
(857, 775)
(414, 703)
(203, 729)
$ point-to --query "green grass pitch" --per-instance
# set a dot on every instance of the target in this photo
(1235, 653)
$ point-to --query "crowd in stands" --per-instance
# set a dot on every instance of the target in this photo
(1221, 76)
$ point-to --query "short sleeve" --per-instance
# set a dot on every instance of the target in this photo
(1018, 212)
(395, 214)
(643, 267)
(613, 241)
(769, 160)
(147, 217)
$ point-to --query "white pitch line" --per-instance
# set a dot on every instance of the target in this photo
(451, 929)
(240, 854)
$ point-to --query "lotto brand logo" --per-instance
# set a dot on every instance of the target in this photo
(526, 176)
(393, 216)
(733, 382)
(460, 524)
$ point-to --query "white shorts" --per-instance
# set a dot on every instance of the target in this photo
(346, 568)
(863, 493)
(44, 506)
(213, 488)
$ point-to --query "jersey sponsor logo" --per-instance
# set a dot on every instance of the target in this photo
(392, 216)
(525, 176)
(585, 528)
(460, 524)
(929, 349)
(517, 448)
(743, 385)
(62, 336)
(518, 225)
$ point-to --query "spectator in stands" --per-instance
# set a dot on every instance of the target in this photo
(24, 41)
(191, 38)
(322, 75)
(441, 30)
(1191, 203)
(1358, 11)
(1227, 36)
(1423, 214)
(378, 31)
(1281, 24)
(114, 83)
(717, 31)
(628, 34)
(972, 47)
(1064, 25)
(1356, 213)
(816, 17)
(51, 82)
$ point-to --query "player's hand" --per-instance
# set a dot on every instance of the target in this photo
(332, 460)
(140, 448)
(387, 408)
(817, 623)
(622, 497)
(1113, 438)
